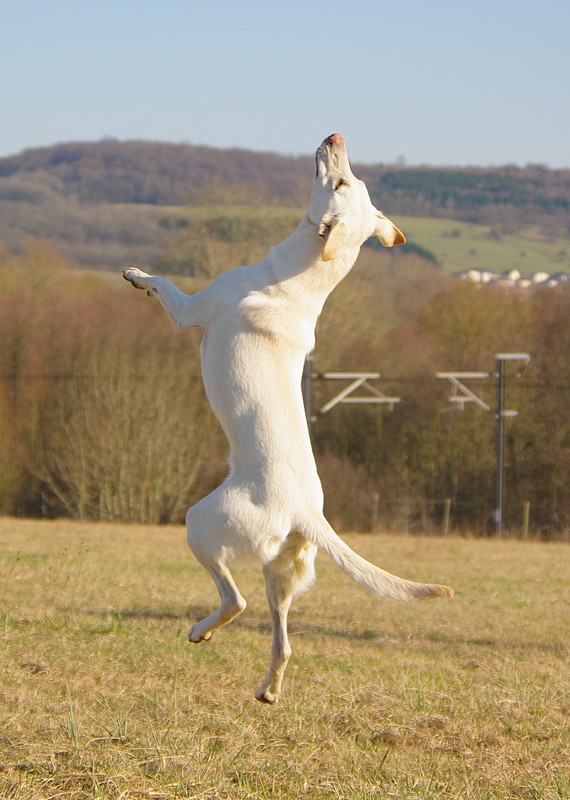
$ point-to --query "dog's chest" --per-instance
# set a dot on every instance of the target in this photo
(275, 319)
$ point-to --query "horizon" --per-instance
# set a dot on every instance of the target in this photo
(400, 163)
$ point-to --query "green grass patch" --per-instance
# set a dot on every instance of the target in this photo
(460, 245)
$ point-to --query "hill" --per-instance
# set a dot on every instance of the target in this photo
(152, 173)
(109, 202)
(504, 197)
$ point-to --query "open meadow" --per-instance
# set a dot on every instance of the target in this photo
(102, 697)
(461, 245)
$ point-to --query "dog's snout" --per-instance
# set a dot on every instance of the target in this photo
(333, 146)
(336, 139)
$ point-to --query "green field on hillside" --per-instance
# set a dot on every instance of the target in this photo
(460, 245)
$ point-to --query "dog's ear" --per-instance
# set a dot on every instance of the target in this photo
(387, 232)
(334, 234)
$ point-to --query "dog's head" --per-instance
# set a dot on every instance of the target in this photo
(340, 205)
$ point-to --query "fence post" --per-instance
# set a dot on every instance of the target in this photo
(446, 515)
(525, 519)
(374, 515)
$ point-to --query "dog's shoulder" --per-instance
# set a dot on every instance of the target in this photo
(239, 284)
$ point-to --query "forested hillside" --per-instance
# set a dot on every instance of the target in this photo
(153, 173)
(506, 197)
(105, 203)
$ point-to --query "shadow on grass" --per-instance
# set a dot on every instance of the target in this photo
(381, 638)
(306, 628)
(187, 615)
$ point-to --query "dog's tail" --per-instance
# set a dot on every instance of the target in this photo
(367, 575)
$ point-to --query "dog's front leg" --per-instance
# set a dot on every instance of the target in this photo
(183, 309)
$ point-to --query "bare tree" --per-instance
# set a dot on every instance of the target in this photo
(124, 445)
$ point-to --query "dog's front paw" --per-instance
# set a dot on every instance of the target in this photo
(137, 277)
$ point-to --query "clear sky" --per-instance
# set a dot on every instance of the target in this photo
(477, 82)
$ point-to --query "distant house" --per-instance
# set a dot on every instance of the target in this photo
(476, 275)
(513, 279)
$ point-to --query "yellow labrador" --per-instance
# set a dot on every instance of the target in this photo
(259, 323)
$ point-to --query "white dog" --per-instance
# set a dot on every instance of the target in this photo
(259, 323)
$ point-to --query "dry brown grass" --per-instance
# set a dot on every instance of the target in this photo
(102, 697)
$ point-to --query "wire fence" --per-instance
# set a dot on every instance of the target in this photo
(525, 518)
(443, 517)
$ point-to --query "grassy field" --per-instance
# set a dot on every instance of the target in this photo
(460, 245)
(102, 697)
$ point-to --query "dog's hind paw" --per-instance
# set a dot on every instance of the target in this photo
(270, 690)
(196, 636)
(264, 696)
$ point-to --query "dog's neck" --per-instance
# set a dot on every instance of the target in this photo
(298, 266)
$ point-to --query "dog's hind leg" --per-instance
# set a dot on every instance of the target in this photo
(279, 597)
(232, 604)
(286, 576)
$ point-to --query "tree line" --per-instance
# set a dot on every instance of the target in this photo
(103, 416)
(503, 196)
(103, 202)
(158, 173)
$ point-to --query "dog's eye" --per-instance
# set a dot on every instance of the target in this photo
(324, 230)
(339, 184)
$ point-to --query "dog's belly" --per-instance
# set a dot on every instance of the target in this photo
(254, 388)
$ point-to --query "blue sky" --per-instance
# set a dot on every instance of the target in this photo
(429, 81)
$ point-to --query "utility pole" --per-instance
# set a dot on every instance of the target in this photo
(358, 380)
(501, 416)
(462, 395)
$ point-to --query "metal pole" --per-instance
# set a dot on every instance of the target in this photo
(500, 473)
(464, 395)
(502, 415)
